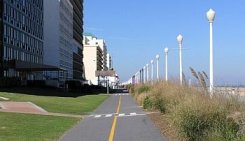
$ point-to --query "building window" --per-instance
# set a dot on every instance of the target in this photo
(4, 30)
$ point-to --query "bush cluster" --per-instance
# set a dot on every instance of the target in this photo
(130, 88)
(143, 89)
(10, 82)
(147, 104)
(195, 115)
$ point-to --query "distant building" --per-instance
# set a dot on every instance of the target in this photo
(21, 38)
(109, 62)
(103, 47)
(93, 58)
(78, 66)
(113, 81)
(58, 37)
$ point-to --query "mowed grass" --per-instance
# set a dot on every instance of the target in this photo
(26, 127)
(69, 105)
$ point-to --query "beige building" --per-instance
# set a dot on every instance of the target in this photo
(103, 47)
(93, 57)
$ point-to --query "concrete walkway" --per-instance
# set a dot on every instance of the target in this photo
(117, 119)
(29, 108)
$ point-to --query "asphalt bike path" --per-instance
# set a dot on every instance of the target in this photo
(119, 118)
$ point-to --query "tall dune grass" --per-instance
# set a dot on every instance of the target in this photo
(192, 112)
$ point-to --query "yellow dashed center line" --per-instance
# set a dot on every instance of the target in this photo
(113, 127)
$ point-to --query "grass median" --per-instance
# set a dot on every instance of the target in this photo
(27, 127)
(69, 105)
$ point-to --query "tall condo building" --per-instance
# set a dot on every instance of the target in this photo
(103, 47)
(1, 38)
(58, 36)
(78, 66)
(93, 58)
(21, 35)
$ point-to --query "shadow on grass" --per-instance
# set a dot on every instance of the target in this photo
(60, 92)
(48, 91)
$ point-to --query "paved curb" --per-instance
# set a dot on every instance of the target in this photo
(39, 108)
(4, 98)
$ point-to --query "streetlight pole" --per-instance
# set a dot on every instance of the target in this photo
(180, 40)
(142, 80)
(211, 17)
(140, 76)
(147, 72)
(152, 71)
(166, 64)
(157, 58)
(135, 78)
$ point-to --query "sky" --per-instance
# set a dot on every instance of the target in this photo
(136, 30)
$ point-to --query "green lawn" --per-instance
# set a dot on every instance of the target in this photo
(69, 105)
(26, 127)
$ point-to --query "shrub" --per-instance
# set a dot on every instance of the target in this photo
(160, 105)
(130, 88)
(228, 128)
(225, 131)
(147, 104)
(143, 89)
(10, 82)
(193, 126)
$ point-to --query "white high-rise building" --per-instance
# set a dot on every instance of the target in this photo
(109, 62)
(58, 36)
(95, 59)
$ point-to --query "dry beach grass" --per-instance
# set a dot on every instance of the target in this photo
(192, 113)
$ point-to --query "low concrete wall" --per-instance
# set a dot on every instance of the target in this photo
(231, 90)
